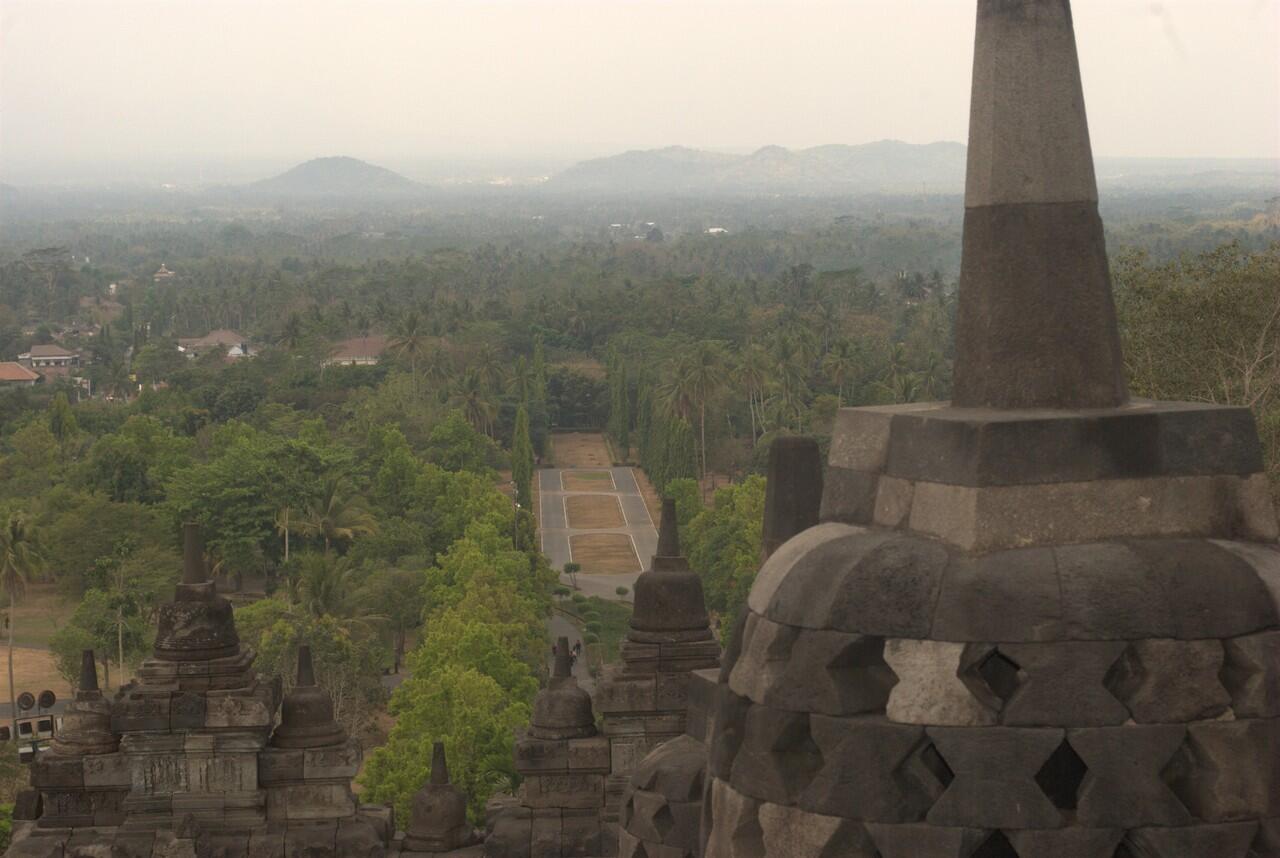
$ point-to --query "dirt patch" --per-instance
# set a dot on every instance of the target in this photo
(580, 450)
(592, 512)
(33, 670)
(604, 553)
(587, 481)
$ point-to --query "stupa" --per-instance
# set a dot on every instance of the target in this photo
(438, 822)
(1042, 620)
(644, 699)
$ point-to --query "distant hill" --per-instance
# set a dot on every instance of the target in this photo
(888, 166)
(337, 177)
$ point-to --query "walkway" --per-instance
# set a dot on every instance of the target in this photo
(557, 533)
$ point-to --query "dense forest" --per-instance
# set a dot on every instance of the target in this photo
(384, 513)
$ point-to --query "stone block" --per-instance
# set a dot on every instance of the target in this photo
(829, 539)
(266, 844)
(589, 755)
(929, 689)
(700, 714)
(108, 807)
(1228, 770)
(625, 754)
(340, 762)
(186, 711)
(1109, 592)
(1267, 842)
(1257, 511)
(222, 844)
(51, 771)
(27, 806)
(671, 690)
(381, 817)
(860, 437)
(89, 844)
(733, 824)
(789, 832)
(884, 585)
(541, 755)
(1004, 596)
(918, 841)
(37, 846)
(137, 844)
(870, 769)
(509, 836)
(731, 722)
(894, 497)
(564, 791)
(994, 782)
(318, 801)
(766, 650)
(358, 839)
(1193, 841)
(140, 713)
(1062, 685)
(626, 693)
(72, 808)
(1124, 785)
(279, 765)
(580, 834)
(1067, 842)
(310, 841)
(1170, 681)
(849, 496)
(545, 835)
(778, 757)
(232, 710)
(1251, 675)
(168, 845)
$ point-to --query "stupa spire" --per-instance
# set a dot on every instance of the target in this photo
(668, 530)
(88, 672)
(439, 765)
(563, 667)
(1036, 325)
(193, 571)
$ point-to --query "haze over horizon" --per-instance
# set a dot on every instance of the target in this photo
(233, 90)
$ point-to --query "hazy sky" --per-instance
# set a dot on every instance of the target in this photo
(151, 81)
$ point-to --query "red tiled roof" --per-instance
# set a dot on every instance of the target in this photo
(10, 371)
(360, 347)
(51, 350)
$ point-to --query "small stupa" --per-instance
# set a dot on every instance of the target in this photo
(306, 719)
(86, 724)
(438, 820)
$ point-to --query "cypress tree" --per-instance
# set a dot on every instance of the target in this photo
(522, 459)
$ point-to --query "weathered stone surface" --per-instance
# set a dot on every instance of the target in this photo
(358, 839)
(871, 771)
(1170, 681)
(830, 539)
(793, 495)
(1194, 841)
(1267, 842)
(849, 497)
(916, 841)
(1124, 787)
(793, 833)
(702, 704)
(278, 765)
(310, 841)
(778, 757)
(37, 847)
(893, 502)
(1067, 842)
(995, 772)
(1251, 675)
(1228, 770)
(1257, 511)
(675, 770)
(337, 761)
(731, 724)
(266, 844)
(1062, 685)
(929, 689)
(1004, 596)
(734, 823)
(563, 790)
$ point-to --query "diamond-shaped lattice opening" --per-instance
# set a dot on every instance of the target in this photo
(996, 846)
(1123, 851)
(1000, 673)
(1061, 775)
(936, 765)
(663, 821)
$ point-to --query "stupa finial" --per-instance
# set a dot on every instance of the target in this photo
(439, 765)
(1036, 325)
(669, 530)
(193, 571)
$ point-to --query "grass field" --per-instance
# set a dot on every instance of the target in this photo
(594, 511)
(587, 481)
(604, 553)
(580, 450)
(34, 671)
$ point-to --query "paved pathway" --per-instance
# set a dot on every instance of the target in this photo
(555, 530)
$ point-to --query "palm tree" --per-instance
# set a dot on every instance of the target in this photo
(20, 563)
(839, 364)
(703, 371)
(338, 516)
(488, 366)
(471, 397)
(325, 585)
(283, 528)
(755, 370)
(410, 340)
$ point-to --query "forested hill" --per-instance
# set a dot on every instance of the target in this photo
(338, 176)
(885, 167)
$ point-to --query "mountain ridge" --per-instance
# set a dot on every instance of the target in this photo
(339, 175)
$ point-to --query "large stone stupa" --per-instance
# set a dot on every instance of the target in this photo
(1040, 621)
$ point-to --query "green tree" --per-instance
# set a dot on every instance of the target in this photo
(522, 460)
(338, 516)
(62, 421)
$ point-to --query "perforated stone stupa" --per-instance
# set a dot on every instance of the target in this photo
(1040, 621)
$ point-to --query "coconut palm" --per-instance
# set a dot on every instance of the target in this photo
(409, 340)
(20, 563)
(755, 369)
(339, 516)
(702, 370)
(840, 364)
(471, 397)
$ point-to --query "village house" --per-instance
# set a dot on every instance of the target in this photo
(358, 351)
(50, 360)
(233, 343)
(16, 375)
